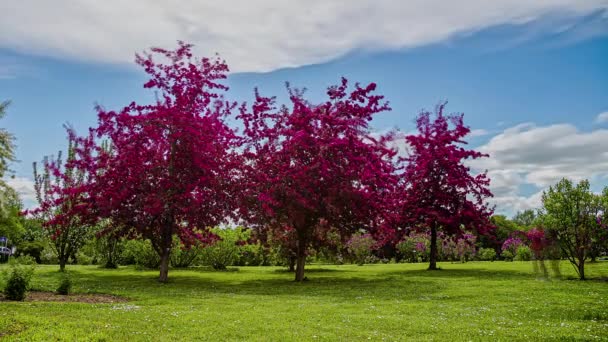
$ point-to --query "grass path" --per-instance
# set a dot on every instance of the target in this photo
(463, 302)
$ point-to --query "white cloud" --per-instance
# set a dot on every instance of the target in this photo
(256, 35)
(478, 133)
(25, 188)
(539, 156)
(602, 117)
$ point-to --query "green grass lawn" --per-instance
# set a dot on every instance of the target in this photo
(395, 302)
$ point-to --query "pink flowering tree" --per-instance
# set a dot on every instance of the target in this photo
(171, 167)
(440, 193)
(311, 168)
(59, 188)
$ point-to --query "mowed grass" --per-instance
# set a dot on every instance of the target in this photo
(395, 302)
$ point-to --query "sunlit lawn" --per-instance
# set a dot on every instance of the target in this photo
(472, 301)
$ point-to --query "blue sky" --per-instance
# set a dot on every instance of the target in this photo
(532, 82)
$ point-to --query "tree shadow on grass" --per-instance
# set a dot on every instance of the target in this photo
(313, 270)
(479, 273)
(340, 284)
(142, 286)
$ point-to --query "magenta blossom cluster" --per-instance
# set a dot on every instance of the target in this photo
(512, 244)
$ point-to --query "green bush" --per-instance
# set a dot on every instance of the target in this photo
(253, 255)
(360, 248)
(48, 256)
(523, 253)
(486, 254)
(415, 247)
(182, 257)
(139, 253)
(19, 276)
(109, 249)
(65, 284)
(507, 255)
(32, 248)
(225, 251)
(84, 259)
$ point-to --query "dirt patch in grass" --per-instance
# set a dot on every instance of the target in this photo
(92, 298)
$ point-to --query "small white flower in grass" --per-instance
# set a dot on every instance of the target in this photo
(125, 307)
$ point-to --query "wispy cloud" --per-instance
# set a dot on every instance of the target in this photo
(602, 117)
(257, 35)
(539, 156)
(478, 133)
(25, 188)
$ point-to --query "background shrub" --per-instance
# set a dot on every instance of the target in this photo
(65, 284)
(486, 254)
(19, 276)
(226, 250)
(415, 247)
(523, 253)
(33, 249)
(360, 248)
(139, 253)
(507, 255)
(182, 257)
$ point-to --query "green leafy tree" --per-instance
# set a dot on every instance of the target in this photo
(571, 212)
(11, 223)
(502, 231)
(599, 244)
(525, 219)
(225, 251)
(7, 155)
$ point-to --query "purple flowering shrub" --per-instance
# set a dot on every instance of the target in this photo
(360, 247)
(415, 247)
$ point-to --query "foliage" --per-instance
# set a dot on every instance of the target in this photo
(507, 255)
(415, 247)
(439, 191)
(109, 246)
(183, 256)
(65, 284)
(571, 212)
(503, 229)
(167, 168)
(486, 254)
(459, 248)
(11, 221)
(58, 193)
(33, 249)
(253, 253)
(511, 245)
(140, 253)
(7, 155)
(360, 247)
(523, 253)
(310, 168)
(18, 278)
(226, 250)
(525, 219)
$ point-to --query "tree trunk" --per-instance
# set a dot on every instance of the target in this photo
(300, 260)
(581, 269)
(164, 265)
(62, 262)
(292, 264)
(165, 251)
(433, 255)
